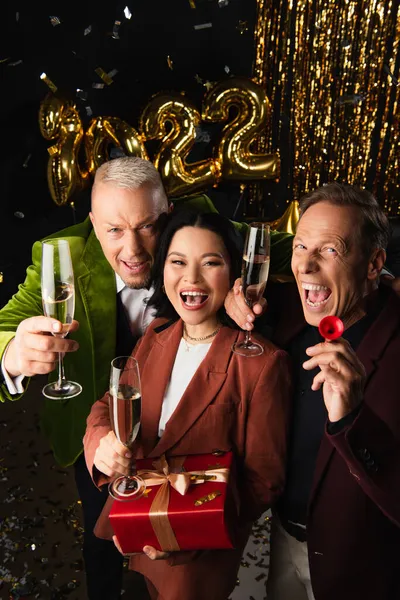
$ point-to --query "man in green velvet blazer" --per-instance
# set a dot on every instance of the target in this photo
(115, 245)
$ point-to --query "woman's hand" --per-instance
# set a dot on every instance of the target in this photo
(148, 550)
(112, 458)
(239, 311)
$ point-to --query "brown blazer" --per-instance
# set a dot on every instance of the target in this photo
(353, 525)
(232, 402)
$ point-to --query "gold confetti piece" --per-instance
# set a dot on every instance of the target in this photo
(242, 27)
(54, 21)
(192, 4)
(3, 60)
(104, 76)
(170, 63)
(48, 82)
(208, 85)
(1, 277)
(207, 498)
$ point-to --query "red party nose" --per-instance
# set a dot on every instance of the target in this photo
(331, 328)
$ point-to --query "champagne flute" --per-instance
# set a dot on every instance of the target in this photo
(125, 406)
(58, 299)
(255, 268)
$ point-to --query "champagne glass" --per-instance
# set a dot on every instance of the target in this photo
(255, 268)
(58, 299)
(125, 408)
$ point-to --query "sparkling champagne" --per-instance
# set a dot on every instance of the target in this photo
(254, 277)
(125, 410)
(59, 304)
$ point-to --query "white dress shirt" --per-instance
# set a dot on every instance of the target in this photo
(187, 361)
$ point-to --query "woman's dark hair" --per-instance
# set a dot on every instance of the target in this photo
(188, 218)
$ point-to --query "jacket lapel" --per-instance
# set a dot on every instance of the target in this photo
(98, 291)
(201, 391)
(154, 380)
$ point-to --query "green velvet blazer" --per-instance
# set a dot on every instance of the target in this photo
(64, 422)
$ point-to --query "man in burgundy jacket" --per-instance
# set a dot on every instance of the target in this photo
(336, 531)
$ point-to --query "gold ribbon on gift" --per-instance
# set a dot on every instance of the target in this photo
(181, 481)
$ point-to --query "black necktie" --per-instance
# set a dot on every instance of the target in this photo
(125, 340)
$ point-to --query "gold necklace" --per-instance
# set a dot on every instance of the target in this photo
(200, 339)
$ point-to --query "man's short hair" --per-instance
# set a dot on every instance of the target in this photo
(374, 228)
(130, 173)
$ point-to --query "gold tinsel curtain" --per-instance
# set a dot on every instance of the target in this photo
(331, 70)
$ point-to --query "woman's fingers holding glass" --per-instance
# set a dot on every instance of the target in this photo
(155, 554)
(111, 457)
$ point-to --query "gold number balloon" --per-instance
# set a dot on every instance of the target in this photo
(104, 131)
(64, 175)
(234, 155)
(173, 120)
(288, 221)
(50, 116)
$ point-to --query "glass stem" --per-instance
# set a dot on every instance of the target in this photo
(247, 338)
(61, 375)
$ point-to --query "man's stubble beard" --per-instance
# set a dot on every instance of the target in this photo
(139, 285)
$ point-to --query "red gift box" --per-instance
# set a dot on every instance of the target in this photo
(203, 517)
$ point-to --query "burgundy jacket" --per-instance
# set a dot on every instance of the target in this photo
(354, 508)
(232, 403)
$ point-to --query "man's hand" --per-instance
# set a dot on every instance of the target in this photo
(342, 376)
(148, 550)
(33, 351)
(112, 458)
(239, 311)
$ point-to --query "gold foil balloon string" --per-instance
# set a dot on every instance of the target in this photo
(330, 69)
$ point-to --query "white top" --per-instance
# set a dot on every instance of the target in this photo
(138, 313)
(187, 361)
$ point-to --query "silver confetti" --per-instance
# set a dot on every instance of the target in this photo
(351, 99)
(54, 21)
(98, 86)
(87, 30)
(127, 12)
(112, 73)
(223, 3)
(203, 26)
(115, 30)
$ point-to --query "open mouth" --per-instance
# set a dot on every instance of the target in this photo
(135, 267)
(193, 299)
(316, 295)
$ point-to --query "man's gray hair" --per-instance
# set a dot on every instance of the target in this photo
(130, 173)
(373, 225)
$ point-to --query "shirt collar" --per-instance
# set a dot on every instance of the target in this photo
(120, 284)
